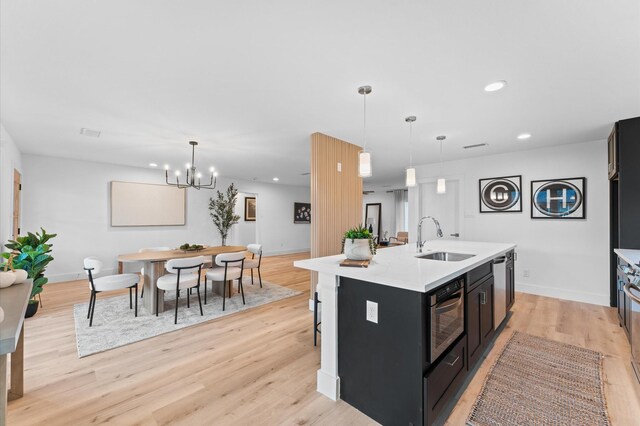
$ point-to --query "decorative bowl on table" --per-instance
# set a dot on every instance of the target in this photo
(186, 247)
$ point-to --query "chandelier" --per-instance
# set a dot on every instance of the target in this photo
(193, 178)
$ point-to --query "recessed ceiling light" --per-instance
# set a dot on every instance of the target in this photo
(153, 165)
(523, 136)
(275, 179)
(495, 86)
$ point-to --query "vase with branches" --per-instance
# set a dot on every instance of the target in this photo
(221, 209)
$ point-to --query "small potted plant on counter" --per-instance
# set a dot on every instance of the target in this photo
(32, 253)
(358, 244)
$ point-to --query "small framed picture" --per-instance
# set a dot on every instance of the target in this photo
(301, 213)
(250, 209)
(559, 198)
(500, 194)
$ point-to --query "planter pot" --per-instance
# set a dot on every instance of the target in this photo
(32, 308)
(7, 278)
(357, 249)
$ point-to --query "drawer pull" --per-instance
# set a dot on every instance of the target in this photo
(452, 363)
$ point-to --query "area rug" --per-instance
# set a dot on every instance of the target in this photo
(536, 381)
(115, 325)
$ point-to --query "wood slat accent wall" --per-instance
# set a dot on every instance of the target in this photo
(336, 196)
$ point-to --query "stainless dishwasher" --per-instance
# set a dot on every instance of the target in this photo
(499, 290)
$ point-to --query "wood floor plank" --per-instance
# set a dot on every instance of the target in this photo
(256, 367)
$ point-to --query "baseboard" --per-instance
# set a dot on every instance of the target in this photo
(287, 251)
(328, 385)
(74, 276)
(565, 294)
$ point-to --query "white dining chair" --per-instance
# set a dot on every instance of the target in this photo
(93, 267)
(253, 263)
(147, 250)
(230, 267)
(183, 274)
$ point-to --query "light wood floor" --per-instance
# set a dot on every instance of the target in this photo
(256, 367)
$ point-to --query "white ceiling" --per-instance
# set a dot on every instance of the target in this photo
(251, 80)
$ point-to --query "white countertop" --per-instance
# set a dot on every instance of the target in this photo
(629, 256)
(399, 267)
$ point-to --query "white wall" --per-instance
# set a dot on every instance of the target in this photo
(70, 198)
(568, 259)
(10, 159)
(387, 214)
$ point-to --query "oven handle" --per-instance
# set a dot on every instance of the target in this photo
(627, 289)
(444, 307)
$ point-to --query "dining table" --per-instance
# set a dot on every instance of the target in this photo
(153, 263)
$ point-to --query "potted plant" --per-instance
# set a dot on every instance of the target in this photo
(221, 209)
(32, 253)
(358, 244)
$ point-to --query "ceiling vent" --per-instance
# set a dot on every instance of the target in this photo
(305, 174)
(90, 133)
(368, 192)
(478, 145)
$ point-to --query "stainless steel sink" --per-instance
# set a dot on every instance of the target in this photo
(445, 256)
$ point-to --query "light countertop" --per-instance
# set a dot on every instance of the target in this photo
(398, 266)
(630, 256)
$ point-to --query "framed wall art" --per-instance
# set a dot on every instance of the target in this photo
(500, 194)
(559, 198)
(250, 209)
(301, 213)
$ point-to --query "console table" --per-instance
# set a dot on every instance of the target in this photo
(13, 301)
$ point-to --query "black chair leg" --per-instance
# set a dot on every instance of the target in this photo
(251, 276)
(205, 289)
(136, 300)
(90, 302)
(130, 300)
(156, 301)
(241, 290)
(93, 309)
(175, 320)
(259, 277)
(188, 293)
(199, 300)
(142, 292)
(224, 293)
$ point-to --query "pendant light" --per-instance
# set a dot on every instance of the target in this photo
(441, 186)
(364, 158)
(411, 171)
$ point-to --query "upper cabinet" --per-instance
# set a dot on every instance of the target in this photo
(613, 153)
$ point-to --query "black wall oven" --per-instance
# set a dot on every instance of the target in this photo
(445, 317)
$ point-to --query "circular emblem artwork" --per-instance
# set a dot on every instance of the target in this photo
(500, 195)
(557, 199)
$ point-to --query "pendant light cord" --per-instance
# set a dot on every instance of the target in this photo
(410, 143)
(440, 156)
(364, 123)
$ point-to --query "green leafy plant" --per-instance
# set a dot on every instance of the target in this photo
(360, 232)
(221, 209)
(32, 253)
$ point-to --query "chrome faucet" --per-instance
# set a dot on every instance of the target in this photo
(419, 242)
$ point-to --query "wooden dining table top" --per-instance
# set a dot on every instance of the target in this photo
(162, 256)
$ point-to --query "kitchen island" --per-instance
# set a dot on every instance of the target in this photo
(377, 346)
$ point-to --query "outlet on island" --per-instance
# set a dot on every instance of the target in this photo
(372, 311)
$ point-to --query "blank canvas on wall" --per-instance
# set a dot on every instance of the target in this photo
(145, 204)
